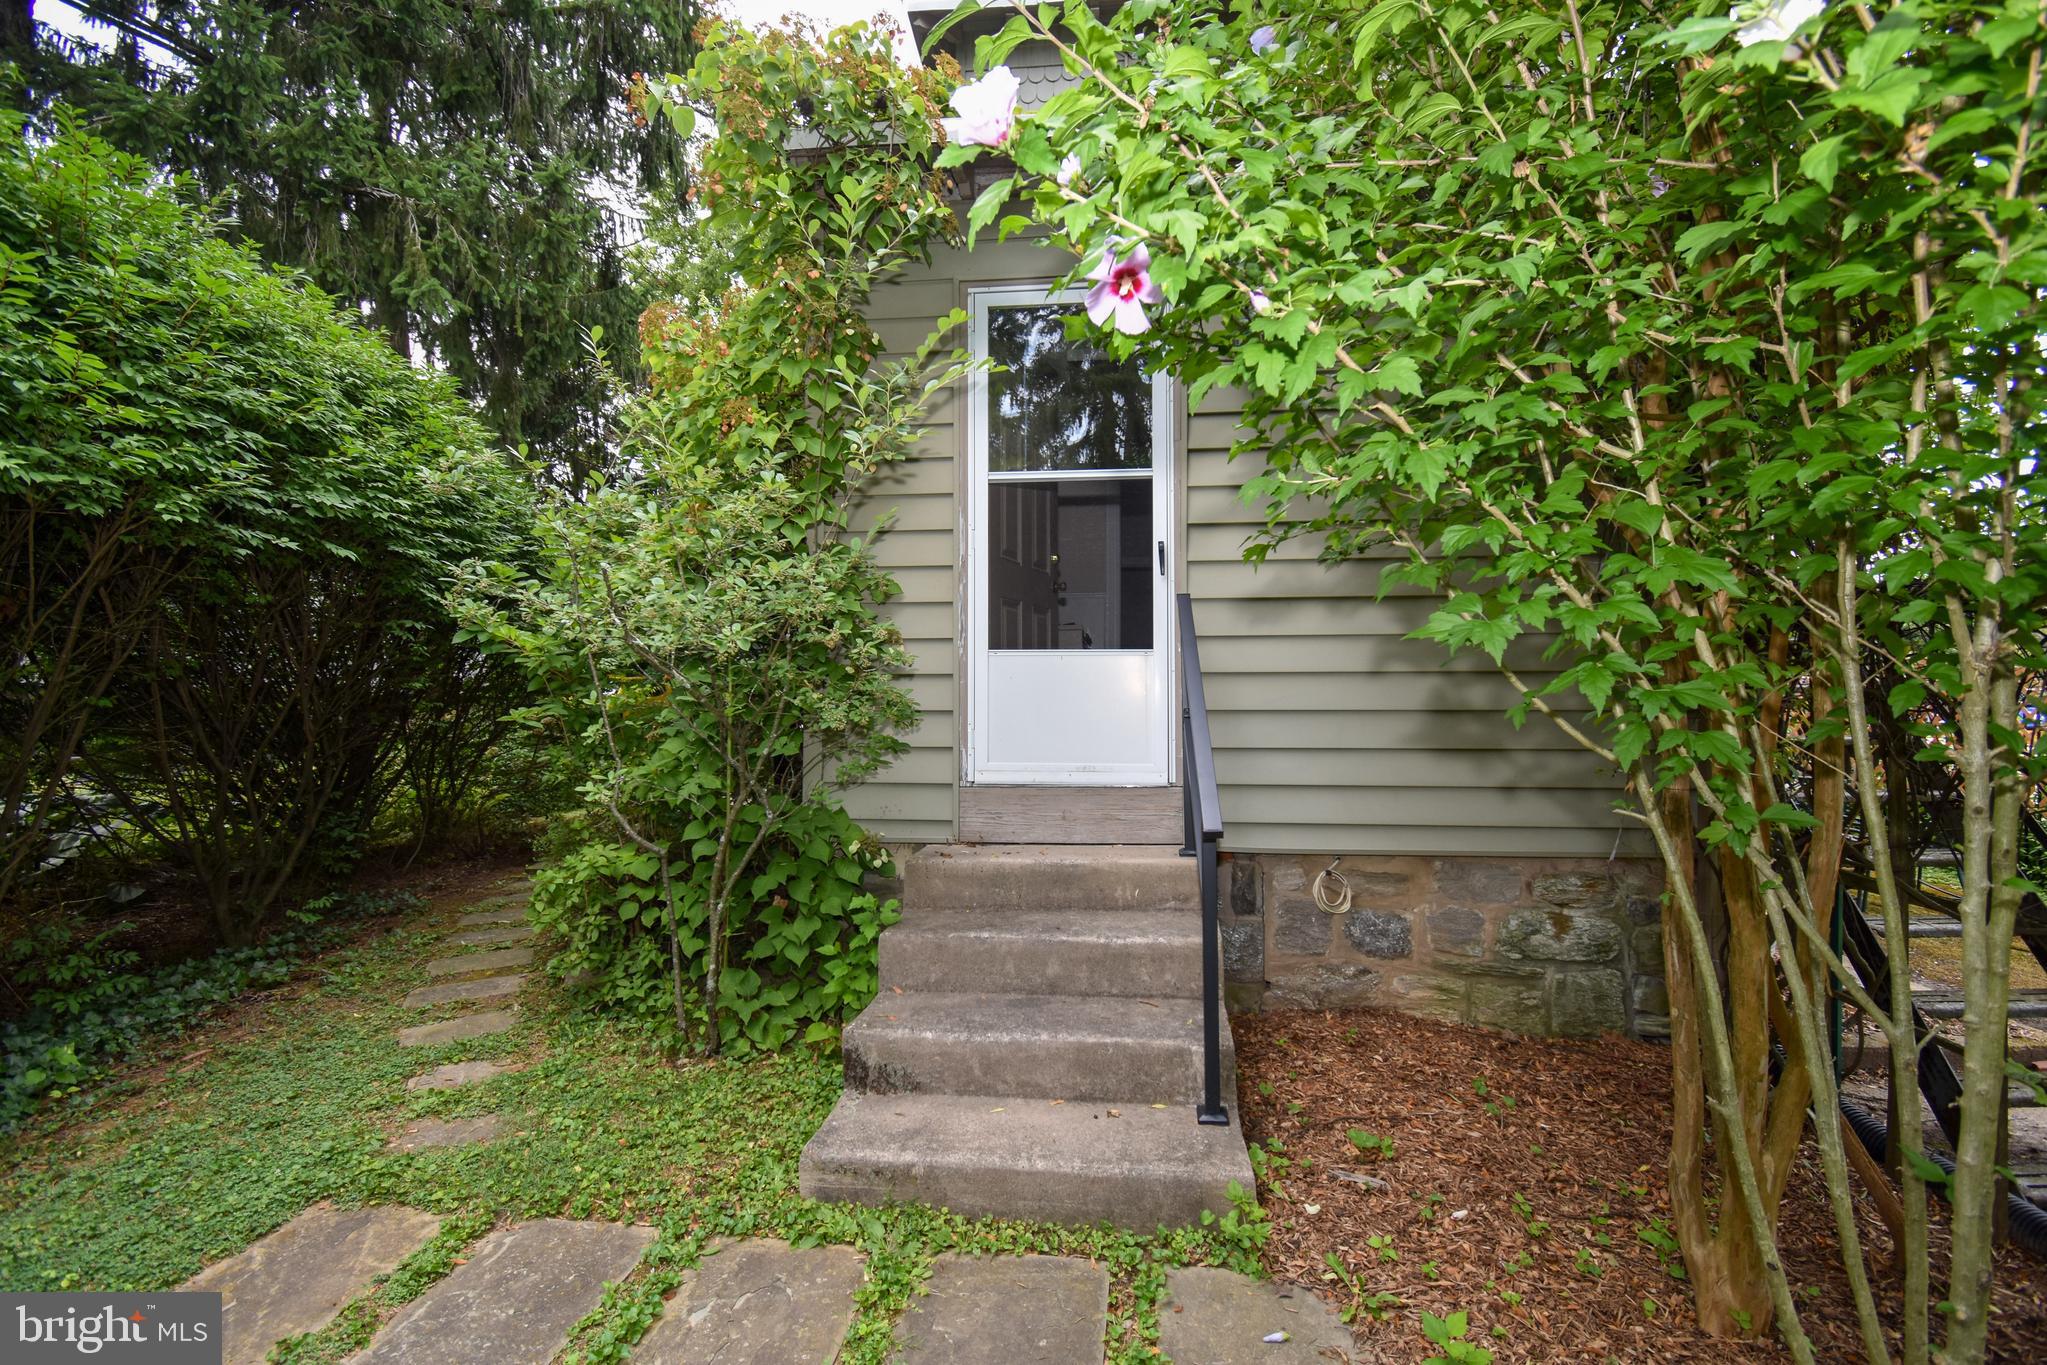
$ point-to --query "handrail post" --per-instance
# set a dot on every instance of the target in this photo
(1212, 1110)
(1204, 829)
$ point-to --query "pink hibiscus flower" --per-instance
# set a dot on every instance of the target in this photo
(1122, 288)
(987, 110)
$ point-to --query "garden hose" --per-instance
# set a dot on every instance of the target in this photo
(1332, 903)
(2028, 1220)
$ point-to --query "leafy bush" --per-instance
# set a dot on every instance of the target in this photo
(91, 1003)
(803, 940)
(1690, 357)
(228, 513)
(705, 637)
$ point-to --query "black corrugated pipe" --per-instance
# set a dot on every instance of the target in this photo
(2028, 1220)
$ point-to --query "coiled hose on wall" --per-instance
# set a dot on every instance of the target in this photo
(2028, 1220)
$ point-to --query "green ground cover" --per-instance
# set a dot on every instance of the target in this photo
(194, 1153)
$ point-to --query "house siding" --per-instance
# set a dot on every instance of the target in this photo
(1333, 733)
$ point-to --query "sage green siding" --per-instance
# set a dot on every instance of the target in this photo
(1333, 733)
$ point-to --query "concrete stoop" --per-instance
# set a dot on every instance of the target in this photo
(1035, 1051)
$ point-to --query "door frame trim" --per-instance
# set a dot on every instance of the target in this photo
(973, 574)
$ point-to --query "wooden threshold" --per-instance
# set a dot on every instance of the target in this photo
(1070, 815)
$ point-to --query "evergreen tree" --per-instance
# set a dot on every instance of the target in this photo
(462, 170)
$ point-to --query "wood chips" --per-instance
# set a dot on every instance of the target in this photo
(1526, 1187)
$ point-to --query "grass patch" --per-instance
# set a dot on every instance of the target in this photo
(92, 1004)
(166, 1169)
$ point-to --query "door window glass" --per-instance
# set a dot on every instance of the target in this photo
(1071, 563)
(1061, 405)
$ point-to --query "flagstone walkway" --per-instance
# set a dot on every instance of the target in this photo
(516, 1295)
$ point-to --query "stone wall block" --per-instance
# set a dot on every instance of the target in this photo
(1499, 969)
(1300, 928)
(1577, 891)
(1588, 1002)
(1559, 936)
(1328, 985)
(1243, 944)
(1379, 886)
(1516, 1006)
(1379, 933)
(1480, 881)
(1457, 930)
(1432, 997)
(1647, 946)
(1243, 997)
(1246, 898)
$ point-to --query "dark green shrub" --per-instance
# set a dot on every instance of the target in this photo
(705, 635)
(228, 516)
(802, 954)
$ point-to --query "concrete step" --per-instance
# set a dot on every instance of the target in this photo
(1074, 1047)
(1024, 1157)
(1046, 952)
(1920, 926)
(1049, 877)
(2029, 1004)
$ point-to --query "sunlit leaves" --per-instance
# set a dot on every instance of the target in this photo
(1615, 352)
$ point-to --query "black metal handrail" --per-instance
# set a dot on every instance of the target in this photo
(1204, 831)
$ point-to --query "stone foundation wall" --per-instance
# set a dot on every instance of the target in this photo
(1567, 946)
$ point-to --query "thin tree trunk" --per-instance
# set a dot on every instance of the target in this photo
(1744, 1221)
(1900, 1031)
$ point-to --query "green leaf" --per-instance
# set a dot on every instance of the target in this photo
(1845, 280)
(1398, 373)
(1697, 241)
(1639, 513)
(1682, 564)
(944, 26)
(1790, 816)
(989, 204)
(1927, 1169)
(2002, 34)
(1183, 60)
(1878, 52)
(1890, 97)
(1696, 35)
(1993, 307)
(1822, 161)
(1630, 742)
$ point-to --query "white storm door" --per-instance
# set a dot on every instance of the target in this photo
(1069, 552)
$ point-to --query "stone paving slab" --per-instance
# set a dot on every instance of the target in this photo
(757, 1302)
(1007, 1310)
(421, 1134)
(476, 938)
(458, 1030)
(449, 992)
(480, 962)
(456, 1074)
(516, 1297)
(1215, 1317)
(476, 919)
(296, 1279)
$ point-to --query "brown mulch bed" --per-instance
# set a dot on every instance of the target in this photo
(1565, 1137)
